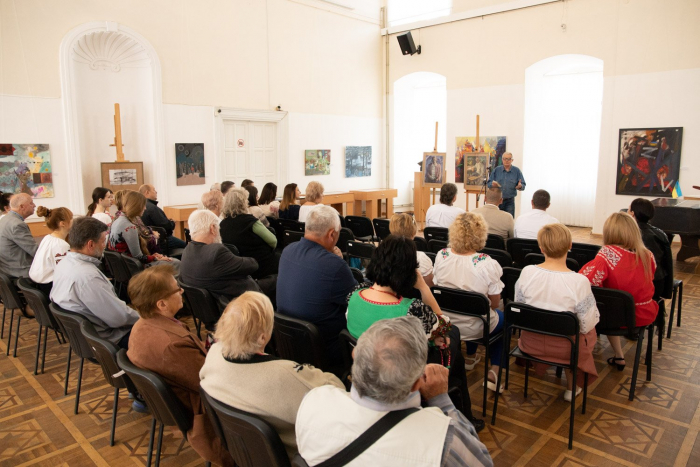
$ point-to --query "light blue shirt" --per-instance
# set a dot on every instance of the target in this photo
(508, 180)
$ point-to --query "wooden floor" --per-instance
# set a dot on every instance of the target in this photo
(660, 428)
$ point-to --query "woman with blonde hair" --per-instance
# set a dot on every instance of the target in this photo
(289, 207)
(402, 224)
(52, 248)
(239, 373)
(624, 263)
(314, 197)
(460, 267)
(553, 287)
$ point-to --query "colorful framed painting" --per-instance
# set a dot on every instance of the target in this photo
(476, 169)
(358, 161)
(495, 146)
(189, 161)
(434, 173)
(648, 161)
(317, 162)
(26, 168)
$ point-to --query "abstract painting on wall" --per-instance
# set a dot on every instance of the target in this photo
(358, 161)
(648, 161)
(189, 159)
(26, 168)
(317, 162)
(493, 145)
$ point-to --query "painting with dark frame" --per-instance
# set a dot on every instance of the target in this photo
(189, 162)
(648, 161)
(434, 173)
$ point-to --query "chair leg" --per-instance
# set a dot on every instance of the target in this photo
(115, 407)
(2, 326)
(573, 405)
(77, 391)
(9, 330)
(486, 378)
(674, 295)
(60, 342)
(650, 348)
(65, 386)
(160, 443)
(504, 361)
(635, 370)
(38, 349)
(559, 372)
(43, 354)
(19, 319)
(680, 303)
(585, 393)
(150, 442)
(527, 374)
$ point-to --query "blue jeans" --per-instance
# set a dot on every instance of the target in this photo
(174, 242)
(496, 349)
(508, 206)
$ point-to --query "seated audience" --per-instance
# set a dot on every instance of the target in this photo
(248, 234)
(4, 203)
(657, 242)
(216, 186)
(154, 216)
(17, 246)
(403, 224)
(395, 350)
(213, 201)
(461, 267)
(80, 286)
(443, 214)
(267, 201)
(102, 200)
(500, 223)
(124, 233)
(393, 276)
(624, 263)
(253, 207)
(247, 182)
(239, 373)
(289, 207)
(314, 280)
(225, 186)
(314, 197)
(552, 286)
(527, 225)
(162, 344)
(53, 247)
(148, 235)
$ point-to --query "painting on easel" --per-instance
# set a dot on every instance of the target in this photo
(26, 168)
(189, 159)
(434, 173)
(495, 146)
(476, 165)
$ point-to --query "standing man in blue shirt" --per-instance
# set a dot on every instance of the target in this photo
(509, 179)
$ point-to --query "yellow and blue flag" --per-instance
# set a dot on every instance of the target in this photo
(677, 193)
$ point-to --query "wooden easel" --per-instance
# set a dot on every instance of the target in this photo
(467, 191)
(110, 170)
(118, 134)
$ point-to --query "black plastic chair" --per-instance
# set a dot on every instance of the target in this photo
(347, 344)
(12, 300)
(357, 275)
(277, 227)
(509, 278)
(501, 256)
(250, 440)
(119, 271)
(39, 302)
(436, 233)
(538, 258)
(582, 253)
(204, 307)
(344, 237)
(617, 318)
(291, 237)
(360, 250)
(519, 247)
(133, 265)
(165, 407)
(677, 292)
(299, 341)
(421, 244)
(233, 249)
(496, 242)
(289, 224)
(563, 324)
(473, 304)
(434, 246)
(71, 324)
(431, 255)
(361, 227)
(381, 227)
(106, 355)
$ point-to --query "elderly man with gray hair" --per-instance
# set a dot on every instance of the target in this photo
(17, 246)
(313, 279)
(389, 377)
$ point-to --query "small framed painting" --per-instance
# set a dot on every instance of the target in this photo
(122, 175)
(434, 171)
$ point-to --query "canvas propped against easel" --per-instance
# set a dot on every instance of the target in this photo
(434, 173)
(122, 174)
(475, 170)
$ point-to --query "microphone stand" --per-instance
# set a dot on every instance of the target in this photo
(483, 185)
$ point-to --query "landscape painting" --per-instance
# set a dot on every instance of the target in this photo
(189, 159)
(358, 161)
(648, 161)
(317, 162)
(495, 146)
(26, 168)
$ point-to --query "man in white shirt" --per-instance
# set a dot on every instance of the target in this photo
(527, 225)
(500, 223)
(443, 214)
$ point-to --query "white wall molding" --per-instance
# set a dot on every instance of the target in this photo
(110, 50)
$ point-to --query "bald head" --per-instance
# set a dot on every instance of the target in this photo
(22, 204)
(149, 191)
(494, 195)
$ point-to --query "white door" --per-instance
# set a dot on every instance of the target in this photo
(250, 151)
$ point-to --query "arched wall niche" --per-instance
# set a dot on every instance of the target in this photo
(103, 63)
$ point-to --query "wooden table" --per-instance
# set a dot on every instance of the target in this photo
(180, 214)
(374, 198)
(339, 199)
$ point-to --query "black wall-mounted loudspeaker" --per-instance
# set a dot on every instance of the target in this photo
(408, 47)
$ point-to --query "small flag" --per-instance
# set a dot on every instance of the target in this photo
(677, 193)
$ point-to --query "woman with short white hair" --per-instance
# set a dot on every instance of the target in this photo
(314, 197)
(239, 373)
(213, 201)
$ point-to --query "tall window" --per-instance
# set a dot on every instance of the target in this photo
(563, 107)
(410, 11)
